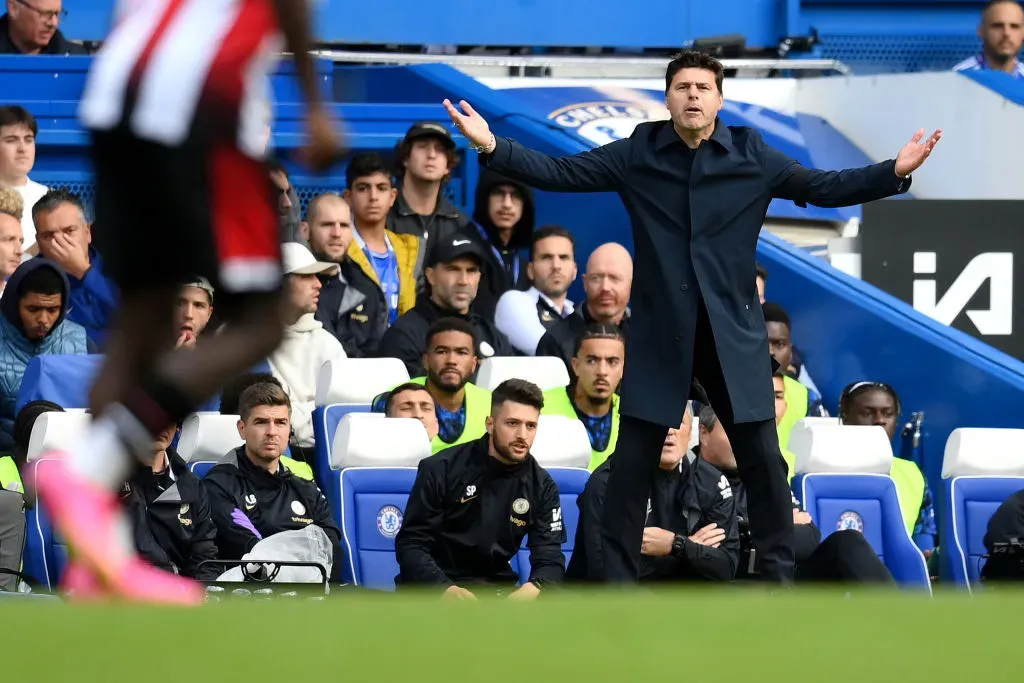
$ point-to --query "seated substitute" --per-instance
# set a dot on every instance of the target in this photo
(252, 495)
(471, 506)
(691, 530)
(845, 556)
(1003, 542)
(170, 513)
(590, 396)
(413, 400)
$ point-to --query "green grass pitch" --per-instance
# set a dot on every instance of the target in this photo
(738, 636)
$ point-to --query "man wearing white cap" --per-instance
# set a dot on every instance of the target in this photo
(306, 345)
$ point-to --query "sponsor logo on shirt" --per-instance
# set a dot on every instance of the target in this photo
(724, 489)
(556, 519)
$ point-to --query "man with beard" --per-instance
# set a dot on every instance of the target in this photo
(471, 506)
(352, 307)
(450, 360)
(590, 397)
(453, 273)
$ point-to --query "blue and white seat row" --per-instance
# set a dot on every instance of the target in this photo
(841, 477)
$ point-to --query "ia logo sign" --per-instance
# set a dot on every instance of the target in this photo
(995, 267)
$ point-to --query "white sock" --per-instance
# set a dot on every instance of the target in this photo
(101, 456)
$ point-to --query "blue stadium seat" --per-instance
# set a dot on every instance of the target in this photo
(200, 468)
(344, 386)
(842, 479)
(46, 556)
(980, 469)
(325, 426)
(375, 461)
(562, 447)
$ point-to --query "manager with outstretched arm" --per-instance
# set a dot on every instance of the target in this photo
(697, 192)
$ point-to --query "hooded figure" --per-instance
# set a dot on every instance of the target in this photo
(34, 305)
(506, 245)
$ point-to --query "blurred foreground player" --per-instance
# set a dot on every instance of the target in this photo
(177, 103)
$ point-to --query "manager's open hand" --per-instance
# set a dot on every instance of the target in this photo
(915, 152)
(471, 124)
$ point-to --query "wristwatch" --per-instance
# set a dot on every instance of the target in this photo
(483, 148)
(678, 544)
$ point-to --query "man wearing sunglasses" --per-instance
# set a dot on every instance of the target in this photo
(30, 27)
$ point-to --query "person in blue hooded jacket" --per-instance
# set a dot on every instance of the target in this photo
(33, 308)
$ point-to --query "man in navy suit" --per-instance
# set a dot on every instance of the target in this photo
(697, 193)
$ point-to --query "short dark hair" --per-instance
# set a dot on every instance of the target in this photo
(546, 231)
(389, 402)
(275, 165)
(691, 59)
(775, 313)
(43, 279)
(55, 199)
(404, 148)
(450, 324)
(855, 389)
(599, 331)
(262, 394)
(13, 114)
(707, 418)
(365, 165)
(232, 392)
(760, 272)
(517, 391)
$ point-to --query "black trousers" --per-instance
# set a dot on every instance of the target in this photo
(758, 457)
(844, 557)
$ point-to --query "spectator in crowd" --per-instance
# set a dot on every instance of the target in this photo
(289, 209)
(845, 556)
(34, 307)
(393, 261)
(193, 310)
(1005, 528)
(454, 275)
(413, 400)
(691, 530)
(306, 345)
(607, 282)
(352, 306)
(504, 218)
(1002, 33)
(65, 238)
(18, 131)
(524, 317)
(591, 395)
(252, 495)
(462, 407)
(801, 400)
(11, 208)
(424, 161)
(876, 403)
(170, 513)
(760, 280)
(229, 405)
(30, 27)
(471, 506)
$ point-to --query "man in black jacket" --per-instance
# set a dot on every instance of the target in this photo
(453, 272)
(845, 556)
(170, 514)
(608, 284)
(697, 192)
(471, 506)
(691, 530)
(352, 307)
(252, 494)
